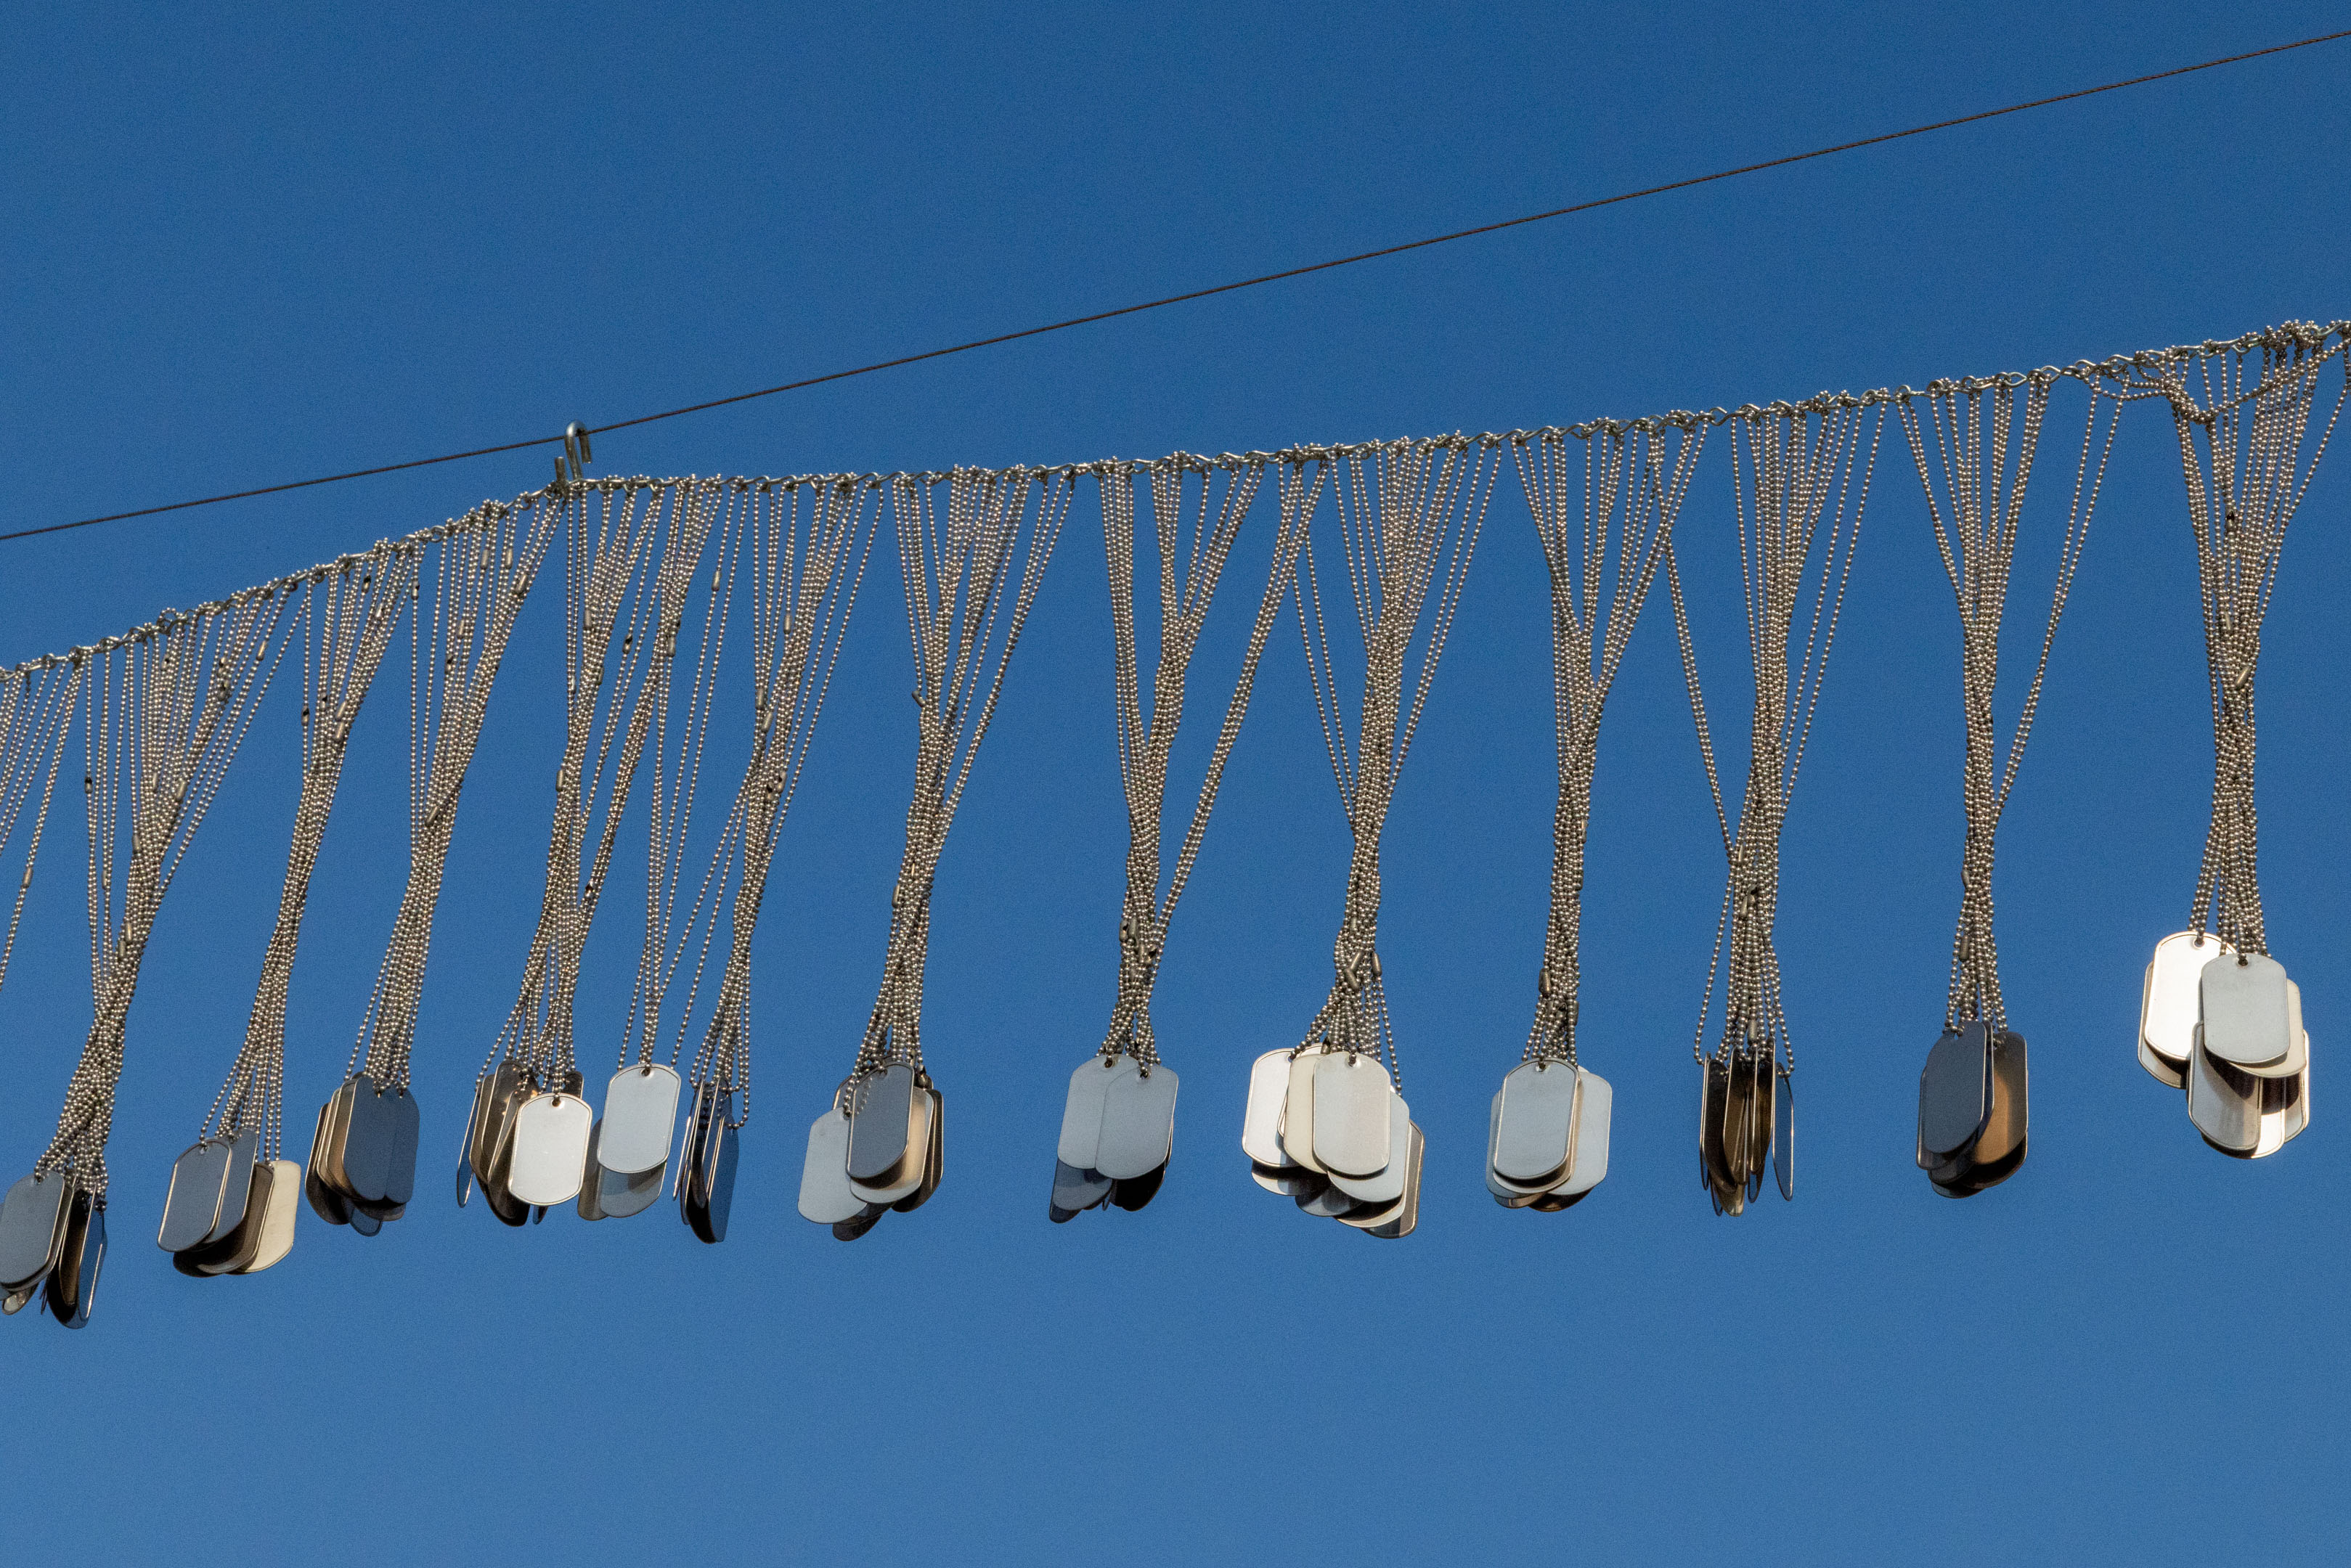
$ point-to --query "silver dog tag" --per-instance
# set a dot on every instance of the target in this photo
(1353, 1102)
(1261, 1124)
(640, 1118)
(1138, 1122)
(2169, 1004)
(1082, 1110)
(1534, 1136)
(825, 1198)
(192, 1206)
(2248, 1011)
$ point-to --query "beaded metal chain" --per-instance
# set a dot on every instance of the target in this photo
(37, 709)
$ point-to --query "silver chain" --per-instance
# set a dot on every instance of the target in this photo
(345, 625)
(1633, 484)
(37, 710)
(1984, 495)
(1409, 514)
(1799, 469)
(958, 562)
(1143, 748)
(163, 716)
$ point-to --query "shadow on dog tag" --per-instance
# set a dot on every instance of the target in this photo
(1138, 1122)
(640, 1118)
(591, 1180)
(864, 1220)
(1132, 1193)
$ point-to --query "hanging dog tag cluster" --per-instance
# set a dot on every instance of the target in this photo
(1792, 470)
(163, 714)
(1326, 1124)
(1547, 1133)
(232, 1200)
(880, 1145)
(1118, 1122)
(2219, 1015)
(1972, 1091)
(630, 569)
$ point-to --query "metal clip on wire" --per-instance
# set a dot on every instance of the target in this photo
(571, 467)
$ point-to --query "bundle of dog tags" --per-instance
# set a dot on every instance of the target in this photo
(705, 1164)
(52, 1243)
(628, 1147)
(362, 1157)
(2227, 1026)
(1327, 1130)
(526, 1150)
(229, 1212)
(1746, 1124)
(1118, 1128)
(1973, 1109)
(1547, 1136)
(880, 1146)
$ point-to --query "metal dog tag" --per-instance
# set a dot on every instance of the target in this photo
(1138, 1122)
(883, 1140)
(1534, 1133)
(1326, 1202)
(903, 1178)
(2224, 1101)
(551, 1149)
(1298, 1110)
(590, 1204)
(1076, 1190)
(714, 1185)
(286, 1184)
(1285, 1181)
(640, 1118)
(1135, 1193)
(1081, 1110)
(498, 1095)
(2297, 1060)
(1409, 1216)
(1783, 1136)
(1594, 1104)
(2285, 1107)
(238, 1191)
(192, 1206)
(327, 1154)
(825, 1198)
(72, 1285)
(237, 1248)
(1261, 1124)
(2248, 1011)
(866, 1220)
(1954, 1091)
(1385, 1187)
(1353, 1102)
(325, 1202)
(2169, 1004)
(934, 1160)
(33, 1228)
(623, 1196)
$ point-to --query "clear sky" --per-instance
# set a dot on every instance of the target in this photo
(256, 245)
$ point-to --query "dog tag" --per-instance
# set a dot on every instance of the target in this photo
(365, 1223)
(1134, 1193)
(2297, 1060)
(1261, 1124)
(1081, 1110)
(1534, 1132)
(498, 1097)
(1763, 1079)
(825, 1198)
(1387, 1186)
(406, 1125)
(883, 1140)
(715, 1188)
(2224, 1101)
(549, 1146)
(1783, 1136)
(1508, 1194)
(640, 1118)
(1288, 1181)
(327, 1152)
(238, 1189)
(866, 1220)
(242, 1244)
(1352, 1101)
(1075, 1191)
(192, 1206)
(933, 1161)
(2169, 1004)
(1298, 1110)
(325, 1202)
(72, 1285)
(1713, 1102)
(1954, 1091)
(2247, 1019)
(1409, 1216)
(1738, 1122)
(286, 1184)
(592, 1177)
(715, 1137)
(2285, 1107)
(1138, 1122)
(623, 1196)
(905, 1176)
(1594, 1102)
(2000, 1147)
(368, 1139)
(15, 1301)
(1326, 1202)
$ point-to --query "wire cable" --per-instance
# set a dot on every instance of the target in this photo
(1198, 293)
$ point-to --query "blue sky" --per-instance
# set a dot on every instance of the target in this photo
(254, 245)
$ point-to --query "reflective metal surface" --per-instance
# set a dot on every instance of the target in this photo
(1595, 1103)
(623, 1196)
(550, 1149)
(882, 1137)
(640, 1118)
(1262, 1122)
(825, 1198)
(1954, 1091)
(499, 1097)
(2169, 1003)
(1075, 1191)
(1134, 1193)
(1288, 1181)
(1325, 1203)
(72, 1285)
(1533, 1133)
(1353, 1102)
(1298, 1110)
(236, 1188)
(1387, 1186)
(590, 1204)
(934, 1160)
(325, 1202)
(1409, 1215)
(1783, 1136)
(2225, 1103)
(327, 1152)
(864, 1220)
(2297, 1060)
(286, 1182)
(1138, 1122)
(906, 1174)
(2247, 1018)
(193, 1205)
(1082, 1109)
(715, 1190)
